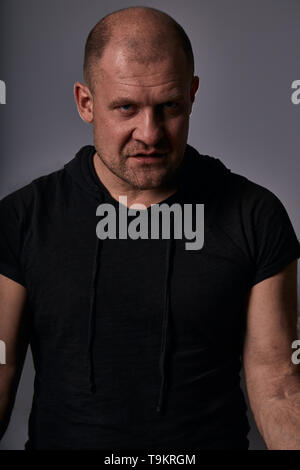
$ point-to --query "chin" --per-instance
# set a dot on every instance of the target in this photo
(151, 182)
(146, 185)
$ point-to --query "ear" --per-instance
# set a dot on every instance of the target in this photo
(84, 102)
(193, 90)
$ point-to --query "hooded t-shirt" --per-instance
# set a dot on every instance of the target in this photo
(137, 343)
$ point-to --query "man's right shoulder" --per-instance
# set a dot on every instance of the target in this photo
(41, 188)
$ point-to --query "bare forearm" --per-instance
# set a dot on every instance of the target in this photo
(278, 420)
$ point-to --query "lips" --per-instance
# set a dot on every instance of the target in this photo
(149, 155)
(149, 158)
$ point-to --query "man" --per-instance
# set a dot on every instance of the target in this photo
(137, 343)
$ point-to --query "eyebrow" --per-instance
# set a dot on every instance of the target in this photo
(127, 100)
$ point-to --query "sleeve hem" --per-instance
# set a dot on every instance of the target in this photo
(12, 273)
(275, 268)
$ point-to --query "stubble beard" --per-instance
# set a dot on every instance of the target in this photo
(144, 176)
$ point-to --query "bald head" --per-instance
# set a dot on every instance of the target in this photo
(148, 36)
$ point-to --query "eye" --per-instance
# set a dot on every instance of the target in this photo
(170, 104)
(171, 107)
(125, 107)
(126, 110)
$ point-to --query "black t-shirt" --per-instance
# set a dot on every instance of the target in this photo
(138, 343)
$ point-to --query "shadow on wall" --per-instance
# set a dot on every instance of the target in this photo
(255, 439)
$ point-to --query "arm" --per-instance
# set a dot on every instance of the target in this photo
(14, 332)
(272, 380)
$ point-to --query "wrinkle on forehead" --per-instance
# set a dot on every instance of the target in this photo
(143, 85)
(151, 80)
(118, 67)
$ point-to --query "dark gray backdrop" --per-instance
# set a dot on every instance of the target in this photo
(247, 56)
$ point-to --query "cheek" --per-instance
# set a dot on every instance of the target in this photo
(105, 129)
(113, 135)
(177, 128)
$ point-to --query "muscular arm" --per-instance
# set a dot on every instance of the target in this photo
(272, 380)
(14, 332)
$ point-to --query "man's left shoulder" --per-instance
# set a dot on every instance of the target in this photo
(256, 198)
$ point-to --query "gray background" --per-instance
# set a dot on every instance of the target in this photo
(246, 54)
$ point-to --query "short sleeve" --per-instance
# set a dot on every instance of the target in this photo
(274, 243)
(10, 239)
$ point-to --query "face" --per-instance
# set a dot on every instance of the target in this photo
(140, 113)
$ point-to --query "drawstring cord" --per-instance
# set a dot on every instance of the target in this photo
(92, 384)
(91, 316)
(165, 322)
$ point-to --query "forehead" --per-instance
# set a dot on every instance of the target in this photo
(119, 68)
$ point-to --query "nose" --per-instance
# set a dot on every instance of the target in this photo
(149, 128)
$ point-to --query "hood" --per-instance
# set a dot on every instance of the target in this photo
(201, 177)
(82, 171)
(196, 174)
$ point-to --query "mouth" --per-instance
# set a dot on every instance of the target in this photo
(149, 157)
